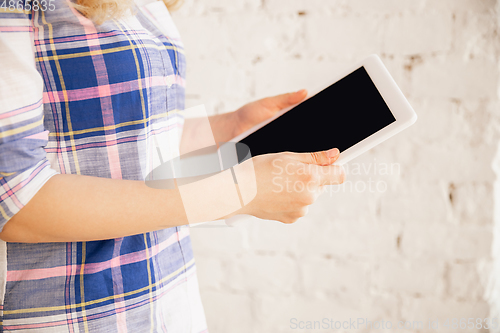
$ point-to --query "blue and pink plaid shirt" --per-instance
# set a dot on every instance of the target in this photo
(92, 100)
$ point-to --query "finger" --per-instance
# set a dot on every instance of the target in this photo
(326, 157)
(331, 174)
(283, 101)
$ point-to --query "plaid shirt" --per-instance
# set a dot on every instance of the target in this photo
(84, 99)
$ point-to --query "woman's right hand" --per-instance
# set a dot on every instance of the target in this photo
(287, 183)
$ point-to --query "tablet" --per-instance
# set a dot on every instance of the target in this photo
(357, 110)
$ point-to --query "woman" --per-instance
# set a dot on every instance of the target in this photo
(86, 246)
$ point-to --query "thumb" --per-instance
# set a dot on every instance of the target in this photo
(279, 102)
(326, 157)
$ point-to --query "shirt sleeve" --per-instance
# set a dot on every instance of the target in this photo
(24, 168)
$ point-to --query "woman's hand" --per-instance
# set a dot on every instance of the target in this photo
(287, 183)
(256, 112)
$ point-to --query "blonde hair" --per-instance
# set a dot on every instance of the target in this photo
(100, 11)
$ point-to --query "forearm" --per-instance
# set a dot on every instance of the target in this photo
(83, 208)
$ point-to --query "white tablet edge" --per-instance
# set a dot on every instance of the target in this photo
(390, 92)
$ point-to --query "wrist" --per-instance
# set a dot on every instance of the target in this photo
(247, 209)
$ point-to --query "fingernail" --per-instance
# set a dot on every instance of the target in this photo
(333, 153)
(300, 91)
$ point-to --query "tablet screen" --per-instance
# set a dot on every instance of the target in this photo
(339, 116)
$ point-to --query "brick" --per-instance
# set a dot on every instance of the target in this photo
(454, 77)
(456, 162)
(276, 7)
(420, 6)
(350, 36)
(464, 281)
(349, 238)
(273, 237)
(473, 34)
(472, 203)
(418, 34)
(462, 243)
(229, 5)
(381, 7)
(281, 315)
(346, 280)
(228, 312)
(468, 122)
(473, 6)
(211, 7)
(253, 37)
(273, 77)
(416, 277)
(211, 275)
(203, 43)
(223, 241)
(263, 273)
(404, 203)
(218, 92)
(423, 309)
(367, 7)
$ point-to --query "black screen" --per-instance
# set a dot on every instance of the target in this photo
(339, 116)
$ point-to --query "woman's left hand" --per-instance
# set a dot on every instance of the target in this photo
(256, 112)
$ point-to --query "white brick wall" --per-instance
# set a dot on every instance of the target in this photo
(493, 287)
(419, 250)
